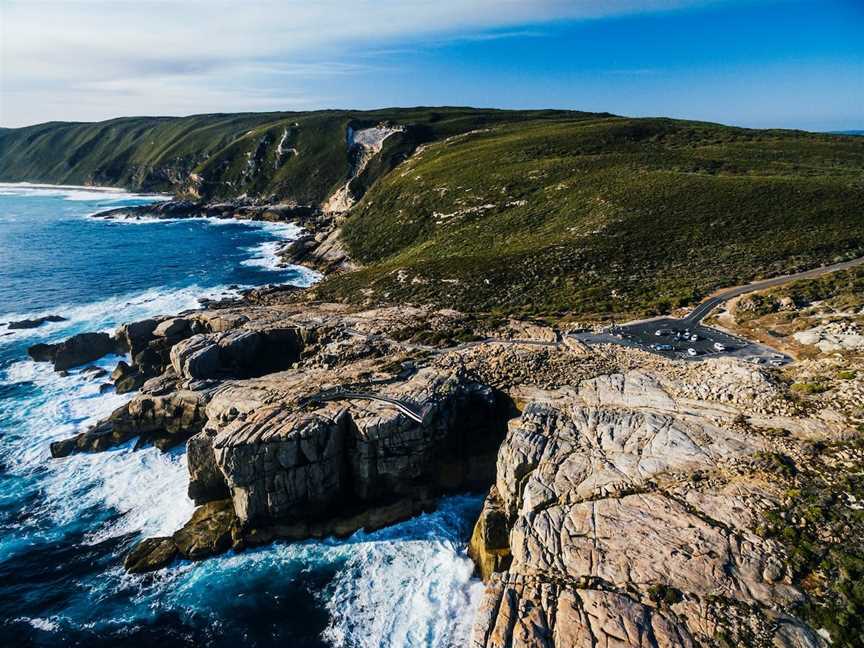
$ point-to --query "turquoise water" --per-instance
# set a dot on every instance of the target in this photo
(66, 524)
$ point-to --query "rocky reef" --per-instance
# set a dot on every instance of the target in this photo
(629, 496)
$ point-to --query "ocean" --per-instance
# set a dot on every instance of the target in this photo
(66, 524)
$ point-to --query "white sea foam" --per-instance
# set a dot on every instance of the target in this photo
(75, 193)
(122, 479)
(263, 255)
(46, 625)
(410, 585)
(105, 314)
(406, 586)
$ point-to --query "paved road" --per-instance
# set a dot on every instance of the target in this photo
(711, 303)
(642, 334)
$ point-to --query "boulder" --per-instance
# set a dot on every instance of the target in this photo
(135, 336)
(151, 554)
(208, 532)
(75, 351)
(196, 357)
(175, 327)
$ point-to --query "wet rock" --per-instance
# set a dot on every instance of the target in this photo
(151, 554)
(164, 420)
(208, 532)
(489, 547)
(77, 350)
(129, 383)
(121, 371)
(42, 352)
(36, 322)
(135, 336)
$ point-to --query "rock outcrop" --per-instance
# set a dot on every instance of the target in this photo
(75, 351)
(628, 494)
(631, 521)
(165, 421)
(35, 322)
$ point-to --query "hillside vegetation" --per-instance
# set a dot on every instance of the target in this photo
(300, 157)
(552, 213)
(602, 216)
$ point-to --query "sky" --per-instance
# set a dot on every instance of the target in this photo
(757, 63)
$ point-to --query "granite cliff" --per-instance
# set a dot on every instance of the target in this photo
(631, 498)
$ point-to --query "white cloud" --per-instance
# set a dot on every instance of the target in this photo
(170, 57)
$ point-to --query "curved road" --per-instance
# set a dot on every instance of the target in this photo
(699, 313)
(711, 303)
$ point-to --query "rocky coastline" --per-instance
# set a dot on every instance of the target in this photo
(317, 247)
(627, 491)
(631, 500)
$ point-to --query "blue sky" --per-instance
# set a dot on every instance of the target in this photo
(761, 63)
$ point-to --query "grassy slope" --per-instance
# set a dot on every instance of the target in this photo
(593, 216)
(232, 154)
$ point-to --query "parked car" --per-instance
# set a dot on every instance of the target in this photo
(719, 347)
(692, 352)
(694, 337)
(663, 347)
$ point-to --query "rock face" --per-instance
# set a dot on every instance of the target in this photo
(237, 353)
(77, 350)
(307, 421)
(490, 542)
(282, 462)
(627, 525)
(627, 491)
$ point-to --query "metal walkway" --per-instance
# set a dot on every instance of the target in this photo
(408, 409)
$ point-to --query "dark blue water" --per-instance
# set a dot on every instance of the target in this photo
(66, 524)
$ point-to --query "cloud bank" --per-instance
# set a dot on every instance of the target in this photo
(92, 59)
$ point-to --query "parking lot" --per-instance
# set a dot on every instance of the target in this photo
(680, 339)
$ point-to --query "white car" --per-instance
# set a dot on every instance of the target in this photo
(692, 352)
(719, 347)
(694, 337)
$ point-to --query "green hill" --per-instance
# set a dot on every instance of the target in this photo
(298, 156)
(517, 212)
(608, 215)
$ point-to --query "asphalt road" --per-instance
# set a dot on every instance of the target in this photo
(669, 336)
(711, 303)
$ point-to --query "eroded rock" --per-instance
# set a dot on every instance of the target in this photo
(75, 351)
